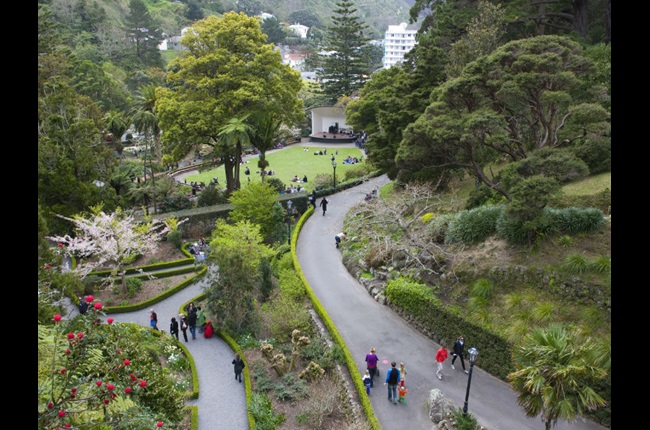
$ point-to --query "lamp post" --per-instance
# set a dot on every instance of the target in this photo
(473, 353)
(334, 166)
(289, 204)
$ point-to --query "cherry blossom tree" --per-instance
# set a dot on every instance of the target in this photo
(115, 239)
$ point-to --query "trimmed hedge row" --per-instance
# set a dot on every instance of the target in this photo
(336, 336)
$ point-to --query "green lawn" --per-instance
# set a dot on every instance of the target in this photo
(294, 160)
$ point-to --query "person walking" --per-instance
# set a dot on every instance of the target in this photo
(392, 379)
(367, 381)
(184, 326)
(200, 319)
(372, 359)
(313, 199)
(323, 204)
(173, 328)
(441, 356)
(457, 351)
(239, 367)
(153, 319)
(402, 374)
(191, 320)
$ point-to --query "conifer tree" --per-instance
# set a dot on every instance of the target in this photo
(344, 71)
(144, 33)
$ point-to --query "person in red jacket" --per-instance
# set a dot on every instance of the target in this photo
(441, 356)
(208, 330)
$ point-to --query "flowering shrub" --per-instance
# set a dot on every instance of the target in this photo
(103, 374)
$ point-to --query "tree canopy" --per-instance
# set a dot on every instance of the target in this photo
(228, 71)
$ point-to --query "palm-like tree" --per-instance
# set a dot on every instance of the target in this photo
(555, 373)
(146, 119)
(232, 137)
(265, 125)
(117, 123)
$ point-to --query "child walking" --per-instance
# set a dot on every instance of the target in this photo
(402, 374)
(367, 381)
(401, 390)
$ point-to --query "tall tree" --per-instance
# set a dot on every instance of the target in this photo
(345, 70)
(527, 95)
(145, 117)
(235, 134)
(555, 374)
(237, 250)
(228, 71)
(274, 32)
(484, 34)
(144, 33)
(265, 126)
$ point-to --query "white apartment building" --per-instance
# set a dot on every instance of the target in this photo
(397, 42)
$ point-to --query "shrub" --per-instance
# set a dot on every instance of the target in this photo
(465, 422)
(577, 220)
(175, 237)
(291, 286)
(261, 409)
(473, 226)
(483, 288)
(211, 195)
(275, 183)
(602, 264)
(174, 202)
(413, 296)
(285, 315)
(133, 286)
(291, 388)
(565, 241)
(575, 263)
(597, 154)
(437, 227)
(483, 195)
(91, 283)
(263, 382)
(516, 231)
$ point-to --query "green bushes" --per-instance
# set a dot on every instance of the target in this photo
(476, 225)
(262, 410)
(133, 286)
(412, 296)
(473, 226)
(175, 237)
(577, 220)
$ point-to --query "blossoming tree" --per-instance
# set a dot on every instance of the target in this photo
(115, 238)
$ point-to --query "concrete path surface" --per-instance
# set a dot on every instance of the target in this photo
(364, 323)
(222, 400)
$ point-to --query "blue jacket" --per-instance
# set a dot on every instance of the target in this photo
(390, 371)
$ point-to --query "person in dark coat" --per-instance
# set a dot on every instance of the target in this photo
(191, 320)
(173, 328)
(457, 351)
(313, 199)
(239, 366)
(323, 204)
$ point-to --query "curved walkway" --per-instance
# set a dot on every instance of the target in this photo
(222, 400)
(364, 323)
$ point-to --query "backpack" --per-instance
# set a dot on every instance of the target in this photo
(392, 376)
(183, 325)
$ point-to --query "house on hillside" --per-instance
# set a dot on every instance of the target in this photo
(300, 30)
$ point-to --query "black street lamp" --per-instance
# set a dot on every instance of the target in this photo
(289, 204)
(473, 353)
(334, 166)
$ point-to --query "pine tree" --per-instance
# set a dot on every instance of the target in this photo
(344, 71)
(144, 33)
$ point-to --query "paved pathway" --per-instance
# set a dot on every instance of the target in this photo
(364, 323)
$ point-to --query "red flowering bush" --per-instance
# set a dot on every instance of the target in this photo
(95, 365)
